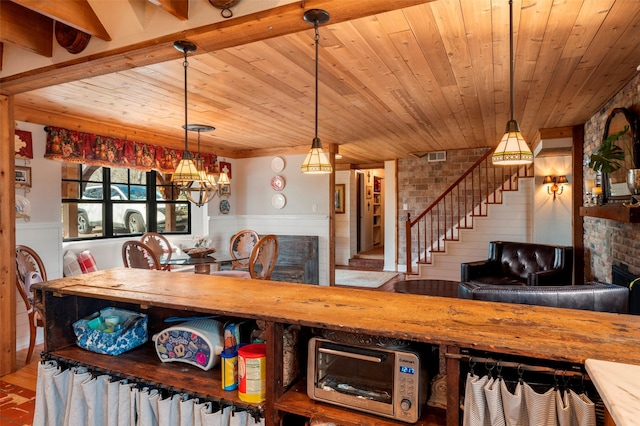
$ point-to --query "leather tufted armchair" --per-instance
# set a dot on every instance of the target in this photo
(525, 264)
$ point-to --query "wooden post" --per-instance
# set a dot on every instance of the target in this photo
(274, 389)
(8, 240)
(453, 387)
(407, 242)
(333, 149)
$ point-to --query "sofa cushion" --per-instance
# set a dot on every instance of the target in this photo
(497, 280)
(87, 262)
(70, 264)
(593, 296)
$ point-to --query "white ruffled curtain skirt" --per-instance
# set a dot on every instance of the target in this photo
(75, 397)
(488, 402)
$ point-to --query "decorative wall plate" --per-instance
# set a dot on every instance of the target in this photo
(224, 206)
(277, 183)
(23, 207)
(277, 164)
(278, 201)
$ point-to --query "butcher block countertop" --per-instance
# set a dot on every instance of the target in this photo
(533, 331)
(619, 387)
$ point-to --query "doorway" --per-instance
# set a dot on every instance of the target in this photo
(370, 223)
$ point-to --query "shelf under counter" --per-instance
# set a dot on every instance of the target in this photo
(148, 368)
(296, 401)
(618, 213)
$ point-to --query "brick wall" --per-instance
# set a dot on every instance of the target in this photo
(608, 242)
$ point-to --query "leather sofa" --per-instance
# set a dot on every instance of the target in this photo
(526, 264)
(593, 296)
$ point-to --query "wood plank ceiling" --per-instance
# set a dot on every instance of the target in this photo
(429, 77)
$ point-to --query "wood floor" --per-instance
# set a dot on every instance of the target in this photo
(27, 375)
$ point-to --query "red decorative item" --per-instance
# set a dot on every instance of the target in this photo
(225, 167)
(23, 144)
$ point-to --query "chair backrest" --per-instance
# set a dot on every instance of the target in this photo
(241, 246)
(521, 259)
(136, 254)
(158, 244)
(29, 269)
(263, 258)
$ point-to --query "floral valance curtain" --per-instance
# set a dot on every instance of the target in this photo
(87, 148)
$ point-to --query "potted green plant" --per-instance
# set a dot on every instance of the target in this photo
(609, 157)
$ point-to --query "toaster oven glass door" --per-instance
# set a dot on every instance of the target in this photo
(354, 377)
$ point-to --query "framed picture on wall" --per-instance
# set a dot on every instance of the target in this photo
(225, 189)
(339, 198)
(23, 177)
(369, 191)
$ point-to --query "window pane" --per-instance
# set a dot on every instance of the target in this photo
(127, 176)
(82, 220)
(91, 173)
(173, 217)
(70, 171)
(71, 190)
(129, 218)
(138, 192)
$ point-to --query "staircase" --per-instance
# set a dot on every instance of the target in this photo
(442, 226)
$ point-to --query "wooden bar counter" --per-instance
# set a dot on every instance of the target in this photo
(520, 330)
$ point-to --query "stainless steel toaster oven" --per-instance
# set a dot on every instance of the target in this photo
(390, 382)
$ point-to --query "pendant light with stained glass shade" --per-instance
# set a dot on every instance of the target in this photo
(512, 149)
(186, 171)
(316, 161)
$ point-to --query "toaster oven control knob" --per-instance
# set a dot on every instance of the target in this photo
(405, 404)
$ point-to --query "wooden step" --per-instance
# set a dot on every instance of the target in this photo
(366, 263)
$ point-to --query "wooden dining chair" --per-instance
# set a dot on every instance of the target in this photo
(136, 254)
(240, 247)
(158, 244)
(29, 269)
(263, 258)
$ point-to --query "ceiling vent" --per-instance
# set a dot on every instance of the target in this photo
(437, 156)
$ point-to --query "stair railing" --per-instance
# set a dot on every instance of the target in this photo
(482, 184)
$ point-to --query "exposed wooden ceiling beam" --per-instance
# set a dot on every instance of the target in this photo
(263, 25)
(36, 37)
(75, 13)
(178, 8)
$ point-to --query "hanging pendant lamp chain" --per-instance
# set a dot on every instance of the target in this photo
(317, 40)
(185, 65)
(512, 60)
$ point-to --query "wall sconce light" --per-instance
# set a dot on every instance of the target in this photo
(555, 184)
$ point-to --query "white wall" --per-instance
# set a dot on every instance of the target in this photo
(552, 221)
(391, 224)
(252, 192)
(346, 231)
(43, 232)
